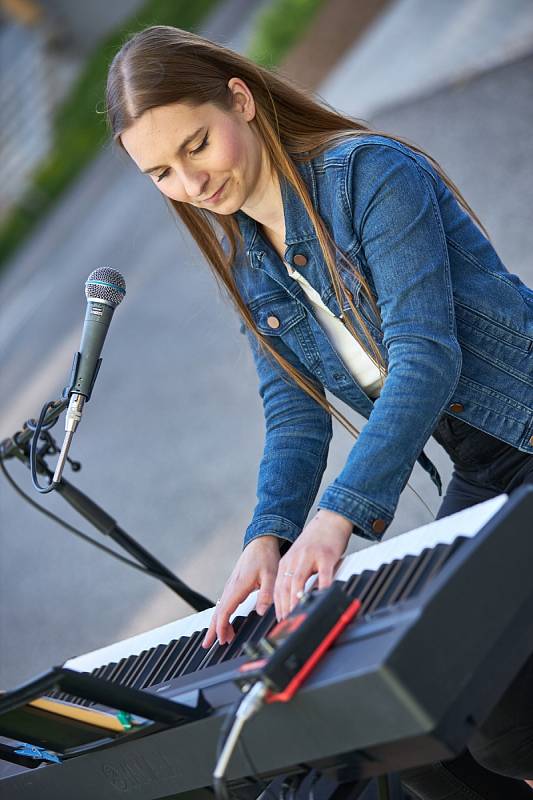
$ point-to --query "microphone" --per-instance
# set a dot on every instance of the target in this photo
(105, 289)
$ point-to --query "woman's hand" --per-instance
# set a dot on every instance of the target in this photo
(256, 569)
(318, 549)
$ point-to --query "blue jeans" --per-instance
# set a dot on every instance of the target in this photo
(501, 750)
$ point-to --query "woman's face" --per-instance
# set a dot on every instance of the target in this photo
(203, 155)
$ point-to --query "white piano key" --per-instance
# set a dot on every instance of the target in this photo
(442, 531)
(463, 523)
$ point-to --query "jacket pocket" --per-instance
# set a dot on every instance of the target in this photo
(275, 314)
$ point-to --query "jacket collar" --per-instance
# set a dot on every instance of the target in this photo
(300, 239)
(298, 225)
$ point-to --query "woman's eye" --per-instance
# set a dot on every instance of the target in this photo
(163, 175)
(204, 143)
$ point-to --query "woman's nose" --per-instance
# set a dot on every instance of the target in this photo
(194, 184)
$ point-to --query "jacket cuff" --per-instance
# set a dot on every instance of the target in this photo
(370, 520)
(271, 525)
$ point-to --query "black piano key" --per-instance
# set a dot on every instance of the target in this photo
(262, 628)
(196, 657)
(169, 660)
(161, 659)
(242, 635)
(121, 674)
(386, 589)
(98, 672)
(422, 562)
(142, 661)
(253, 629)
(66, 697)
(108, 669)
(218, 652)
(185, 648)
(391, 593)
(188, 652)
(151, 666)
(114, 669)
(432, 566)
(457, 544)
(61, 696)
(355, 585)
(123, 667)
(397, 579)
(131, 669)
(370, 585)
(410, 565)
(163, 675)
(373, 587)
(212, 653)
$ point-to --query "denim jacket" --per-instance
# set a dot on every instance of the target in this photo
(456, 333)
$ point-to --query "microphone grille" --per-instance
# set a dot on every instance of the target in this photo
(105, 284)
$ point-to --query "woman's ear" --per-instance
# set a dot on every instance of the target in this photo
(243, 99)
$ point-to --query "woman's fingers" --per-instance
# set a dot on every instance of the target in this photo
(266, 593)
(291, 580)
(228, 604)
(326, 572)
(287, 574)
(210, 636)
(256, 569)
(297, 590)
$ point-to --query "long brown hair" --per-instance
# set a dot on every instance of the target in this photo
(163, 65)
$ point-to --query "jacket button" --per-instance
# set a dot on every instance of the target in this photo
(349, 295)
(300, 260)
(457, 407)
(273, 322)
(379, 525)
(531, 441)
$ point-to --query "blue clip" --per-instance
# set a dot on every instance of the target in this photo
(30, 751)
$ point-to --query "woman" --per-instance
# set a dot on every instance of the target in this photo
(355, 265)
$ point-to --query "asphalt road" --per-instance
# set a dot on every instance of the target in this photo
(172, 436)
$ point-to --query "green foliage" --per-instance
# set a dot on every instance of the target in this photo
(279, 27)
(80, 132)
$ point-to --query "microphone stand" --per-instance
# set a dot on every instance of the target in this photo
(18, 446)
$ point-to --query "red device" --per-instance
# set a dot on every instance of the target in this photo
(287, 655)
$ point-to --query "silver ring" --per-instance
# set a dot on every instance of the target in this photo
(288, 574)
(300, 594)
(217, 602)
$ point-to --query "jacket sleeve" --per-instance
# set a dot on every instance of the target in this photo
(395, 212)
(297, 436)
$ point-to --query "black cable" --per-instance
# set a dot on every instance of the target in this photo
(82, 535)
(260, 783)
(37, 428)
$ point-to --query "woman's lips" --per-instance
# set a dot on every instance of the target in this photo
(215, 197)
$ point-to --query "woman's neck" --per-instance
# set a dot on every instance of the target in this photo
(265, 205)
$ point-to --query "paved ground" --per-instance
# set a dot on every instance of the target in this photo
(417, 46)
(171, 439)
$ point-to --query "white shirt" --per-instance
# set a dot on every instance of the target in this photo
(354, 357)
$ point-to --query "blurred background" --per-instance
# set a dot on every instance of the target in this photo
(172, 437)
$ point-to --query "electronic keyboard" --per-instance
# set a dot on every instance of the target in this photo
(446, 623)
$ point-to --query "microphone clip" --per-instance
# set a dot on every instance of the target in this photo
(69, 389)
